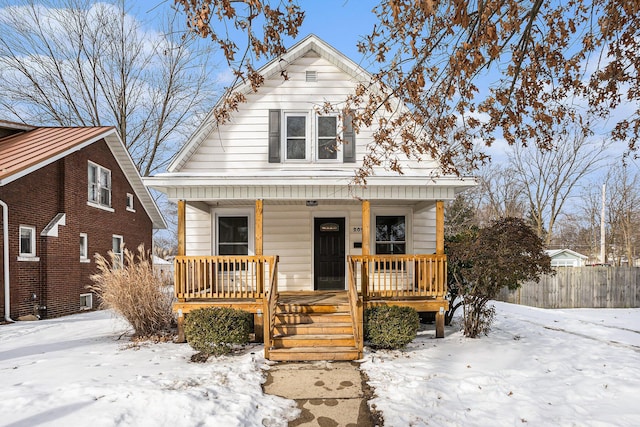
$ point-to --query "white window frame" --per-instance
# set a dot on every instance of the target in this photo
(118, 261)
(249, 213)
(91, 201)
(393, 211)
(307, 137)
(27, 256)
(86, 301)
(316, 142)
(130, 201)
(84, 248)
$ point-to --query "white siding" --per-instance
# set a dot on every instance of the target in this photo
(197, 232)
(242, 144)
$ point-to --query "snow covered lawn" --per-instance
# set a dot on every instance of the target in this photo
(73, 371)
(537, 367)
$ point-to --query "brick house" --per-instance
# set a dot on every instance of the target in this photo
(65, 194)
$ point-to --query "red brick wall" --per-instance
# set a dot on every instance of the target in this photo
(59, 277)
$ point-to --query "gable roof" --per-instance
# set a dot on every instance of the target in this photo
(25, 152)
(555, 252)
(311, 43)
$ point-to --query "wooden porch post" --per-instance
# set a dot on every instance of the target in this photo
(440, 251)
(258, 318)
(366, 246)
(181, 252)
(439, 227)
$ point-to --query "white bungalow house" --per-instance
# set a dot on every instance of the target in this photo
(269, 223)
(566, 258)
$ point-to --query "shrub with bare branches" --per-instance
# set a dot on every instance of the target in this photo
(130, 288)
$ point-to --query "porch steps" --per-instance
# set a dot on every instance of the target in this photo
(313, 331)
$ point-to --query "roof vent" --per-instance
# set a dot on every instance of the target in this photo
(311, 76)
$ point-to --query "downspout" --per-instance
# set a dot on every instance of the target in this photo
(5, 258)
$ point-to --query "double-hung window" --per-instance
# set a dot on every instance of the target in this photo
(296, 136)
(327, 137)
(99, 180)
(27, 241)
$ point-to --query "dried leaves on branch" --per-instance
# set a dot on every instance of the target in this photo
(465, 71)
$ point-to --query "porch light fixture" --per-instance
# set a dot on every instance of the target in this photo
(312, 203)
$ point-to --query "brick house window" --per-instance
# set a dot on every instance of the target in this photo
(84, 247)
(99, 186)
(130, 207)
(86, 301)
(117, 249)
(27, 241)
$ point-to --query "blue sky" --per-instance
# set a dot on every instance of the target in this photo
(341, 23)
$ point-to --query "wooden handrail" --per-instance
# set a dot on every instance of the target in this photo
(270, 305)
(400, 276)
(355, 304)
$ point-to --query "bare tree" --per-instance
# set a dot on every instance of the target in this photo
(81, 63)
(501, 193)
(623, 213)
(550, 177)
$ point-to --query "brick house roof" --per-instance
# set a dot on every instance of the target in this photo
(34, 148)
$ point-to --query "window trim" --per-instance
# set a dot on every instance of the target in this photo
(307, 136)
(85, 246)
(130, 202)
(98, 203)
(27, 255)
(224, 212)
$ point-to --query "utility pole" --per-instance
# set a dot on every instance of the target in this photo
(602, 234)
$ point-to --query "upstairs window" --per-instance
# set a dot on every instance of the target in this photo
(99, 180)
(390, 235)
(130, 202)
(27, 241)
(296, 136)
(327, 134)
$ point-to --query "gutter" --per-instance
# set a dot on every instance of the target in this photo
(5, 269)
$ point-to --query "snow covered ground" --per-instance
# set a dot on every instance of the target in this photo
(74, 371)
(536, 368)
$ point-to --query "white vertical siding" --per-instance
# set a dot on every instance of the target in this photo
(198, 232)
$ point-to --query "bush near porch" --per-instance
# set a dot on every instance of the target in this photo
(390, 327)
(214, 330)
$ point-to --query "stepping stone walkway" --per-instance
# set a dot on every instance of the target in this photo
(327, 393)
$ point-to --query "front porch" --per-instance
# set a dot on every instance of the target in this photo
(311, 325)
(316, 250)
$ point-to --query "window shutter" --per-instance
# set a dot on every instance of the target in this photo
(349, 140)
(274, 136)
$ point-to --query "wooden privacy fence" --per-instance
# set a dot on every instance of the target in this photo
(580, 287)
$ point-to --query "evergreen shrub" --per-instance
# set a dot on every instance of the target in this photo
(390, 327)
(215, 330)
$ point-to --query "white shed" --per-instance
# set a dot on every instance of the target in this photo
(566, 258)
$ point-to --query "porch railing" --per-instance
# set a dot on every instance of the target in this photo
(399, 276)
(221, 277)
(355, 303)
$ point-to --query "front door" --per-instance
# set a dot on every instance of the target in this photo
(329, 253)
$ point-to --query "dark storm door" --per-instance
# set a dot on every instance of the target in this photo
(329, 254)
